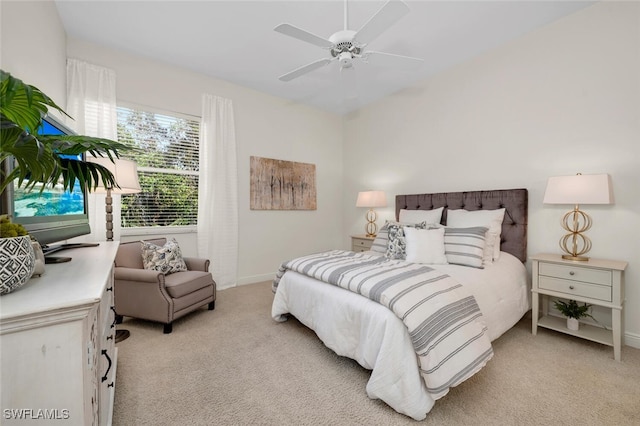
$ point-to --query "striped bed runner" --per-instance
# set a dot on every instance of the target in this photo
(443, 319)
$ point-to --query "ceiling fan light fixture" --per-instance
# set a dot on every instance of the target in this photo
(345, 59)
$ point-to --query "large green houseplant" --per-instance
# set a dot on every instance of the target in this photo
(30, 159)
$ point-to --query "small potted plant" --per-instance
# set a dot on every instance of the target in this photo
(573, 312)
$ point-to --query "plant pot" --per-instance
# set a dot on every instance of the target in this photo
(573, 324)
(17, 263)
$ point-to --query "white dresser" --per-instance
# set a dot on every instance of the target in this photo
(57, 351)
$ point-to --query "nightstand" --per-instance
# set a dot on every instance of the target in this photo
(596, 282)
(361, 243)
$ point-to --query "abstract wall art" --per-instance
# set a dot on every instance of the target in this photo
(282, 185)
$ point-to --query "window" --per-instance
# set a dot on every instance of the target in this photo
(167, 159)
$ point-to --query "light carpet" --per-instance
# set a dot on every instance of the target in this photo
(236, 366)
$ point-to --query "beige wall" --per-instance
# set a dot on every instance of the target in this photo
(561, 100)
(35, 54)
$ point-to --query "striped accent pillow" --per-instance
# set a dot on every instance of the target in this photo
(381, 241)
(465, 246)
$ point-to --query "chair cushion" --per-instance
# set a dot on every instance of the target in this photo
(180, 284)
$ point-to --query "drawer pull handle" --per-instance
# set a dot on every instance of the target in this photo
(115, 317)
(571, 287)
(106, 374)
(572, 273)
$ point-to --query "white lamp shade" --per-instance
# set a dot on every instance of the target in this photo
(579, 189)
(125, 173)
(371, 199)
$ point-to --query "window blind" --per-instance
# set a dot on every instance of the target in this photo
(167, 155)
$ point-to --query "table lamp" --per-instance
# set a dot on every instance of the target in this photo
(125, 173)
(576, 190)
(371, 199)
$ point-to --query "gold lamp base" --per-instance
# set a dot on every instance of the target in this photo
(576, 222)
(371, 227)
(570, 257)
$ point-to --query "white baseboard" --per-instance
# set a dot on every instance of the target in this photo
(632, 339)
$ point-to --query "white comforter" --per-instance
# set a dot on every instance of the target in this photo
(358, 328)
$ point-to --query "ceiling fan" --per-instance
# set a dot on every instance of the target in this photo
(347, 46)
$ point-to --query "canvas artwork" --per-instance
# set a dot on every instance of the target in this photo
(282, 185)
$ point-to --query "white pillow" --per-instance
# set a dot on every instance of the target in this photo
(416, 216)
(425, 246)
(381, 241)
(491, 219)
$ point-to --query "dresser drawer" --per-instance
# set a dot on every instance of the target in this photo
(579, 273)
(576, 288)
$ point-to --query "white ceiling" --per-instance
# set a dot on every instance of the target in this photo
(235, 41)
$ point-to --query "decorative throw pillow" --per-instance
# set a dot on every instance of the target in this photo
(491, 219)
(465, 246)
(396, 249)
(166, 259)
(425, 245)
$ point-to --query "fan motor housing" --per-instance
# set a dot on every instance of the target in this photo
(343, 42)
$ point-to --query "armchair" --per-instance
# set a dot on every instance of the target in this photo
(153, 296)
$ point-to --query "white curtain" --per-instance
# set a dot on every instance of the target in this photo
(91, 101)
(218, 190)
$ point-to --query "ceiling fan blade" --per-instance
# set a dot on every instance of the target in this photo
(388, 14)
(304, 69)
(300, 34)
(407, 63)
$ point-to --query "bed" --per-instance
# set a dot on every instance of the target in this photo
(381, 341)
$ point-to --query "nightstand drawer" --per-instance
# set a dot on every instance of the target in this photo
(361, 244)
(578, 273)
(574, 288)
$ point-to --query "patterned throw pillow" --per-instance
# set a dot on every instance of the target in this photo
(397, 247)
(165, 259)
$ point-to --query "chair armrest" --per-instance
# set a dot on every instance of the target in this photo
(197, 264)
(141, 275)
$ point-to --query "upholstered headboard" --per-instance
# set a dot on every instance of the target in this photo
(515, 201)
